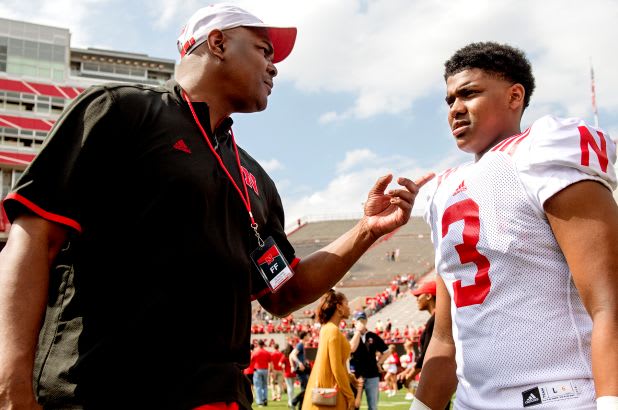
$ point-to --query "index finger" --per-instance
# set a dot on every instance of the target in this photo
(416, 185)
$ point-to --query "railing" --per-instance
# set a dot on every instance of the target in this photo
(321, 218)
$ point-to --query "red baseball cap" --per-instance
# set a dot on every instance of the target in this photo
(225, 16)
(427, 287)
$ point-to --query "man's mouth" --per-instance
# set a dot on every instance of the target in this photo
(459, 127)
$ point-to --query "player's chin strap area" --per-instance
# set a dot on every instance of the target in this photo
(418, 405)
(605, 403)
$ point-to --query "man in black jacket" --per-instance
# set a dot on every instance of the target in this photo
(368, 353)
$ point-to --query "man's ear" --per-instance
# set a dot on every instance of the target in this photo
(517, 92)
(216, 40)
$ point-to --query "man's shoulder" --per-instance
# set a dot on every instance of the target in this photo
(556, 145)
(129, 91)
(373, 335)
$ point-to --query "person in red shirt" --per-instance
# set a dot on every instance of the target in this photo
(277, 372)
(261, 363)
(288, 374)
(249, 370)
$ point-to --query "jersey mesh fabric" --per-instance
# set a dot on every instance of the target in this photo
(531, 328)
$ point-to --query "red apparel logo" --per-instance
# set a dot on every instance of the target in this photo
(181, 145)
(269, 259)
(269, 256)
(586, 141)
(460, 188)
(249, 180)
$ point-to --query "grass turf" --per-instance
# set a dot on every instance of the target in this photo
(396, 402)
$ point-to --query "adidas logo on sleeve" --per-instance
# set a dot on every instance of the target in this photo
(532, 397)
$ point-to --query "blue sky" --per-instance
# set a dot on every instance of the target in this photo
(362, 93)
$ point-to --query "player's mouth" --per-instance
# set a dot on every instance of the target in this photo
(269, 85)
(460, 127)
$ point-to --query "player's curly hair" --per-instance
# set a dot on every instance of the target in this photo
(502, 60)
(328, 305)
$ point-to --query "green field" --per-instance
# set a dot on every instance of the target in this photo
(396, 402)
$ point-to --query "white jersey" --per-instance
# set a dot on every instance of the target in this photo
(521, 331)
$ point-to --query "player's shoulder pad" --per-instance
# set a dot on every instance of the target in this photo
(555, 142)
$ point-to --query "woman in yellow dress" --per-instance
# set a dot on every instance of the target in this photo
(330, 366)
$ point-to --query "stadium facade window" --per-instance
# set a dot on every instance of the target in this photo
(22, 138)
(25, 57)
(6, 182)
(3, 54)
(59, 54)
(23, 102)
(8, 178)
(114, 71)
(58, 75)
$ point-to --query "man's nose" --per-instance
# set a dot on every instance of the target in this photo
(458, 107)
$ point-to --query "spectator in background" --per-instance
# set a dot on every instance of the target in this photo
(426, 301)
(288, 374)
(261, 360)
(330, 365)
(392, 366)
(379, 326)
(407, 369)
(389, 325)
(276, 372)
(301, 366)
(368, 353)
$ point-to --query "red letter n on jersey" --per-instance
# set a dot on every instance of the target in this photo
(586, 140)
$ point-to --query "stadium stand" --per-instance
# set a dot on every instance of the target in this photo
(375, 268)
(372, 284)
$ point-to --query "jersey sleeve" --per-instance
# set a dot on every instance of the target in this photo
(562, 152)
(50, 185)
(424, 199)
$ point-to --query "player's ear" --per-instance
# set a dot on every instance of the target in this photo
(215, 41)
(517, 92)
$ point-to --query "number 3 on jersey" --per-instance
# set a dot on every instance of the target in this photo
(468, 211)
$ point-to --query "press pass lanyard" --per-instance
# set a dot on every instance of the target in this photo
(245, 197)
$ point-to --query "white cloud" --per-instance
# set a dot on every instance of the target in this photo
(329, 117)
(166, 12)
(74, 15)
(390, 53)
(355, 157)
(271, 165)
(345, 194)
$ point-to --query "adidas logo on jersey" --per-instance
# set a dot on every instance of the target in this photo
(531, 397)
(181, 145)
(460, 188)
